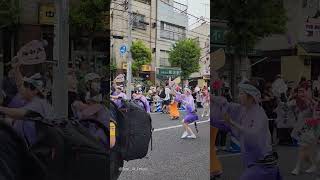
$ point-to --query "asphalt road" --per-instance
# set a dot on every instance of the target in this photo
(172, 158)
(232, 164)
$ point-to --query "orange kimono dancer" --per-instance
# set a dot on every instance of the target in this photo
(173, 110)
(215, 165)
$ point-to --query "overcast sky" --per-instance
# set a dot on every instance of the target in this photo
(197, 8)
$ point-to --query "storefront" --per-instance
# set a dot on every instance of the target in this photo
(163, 74)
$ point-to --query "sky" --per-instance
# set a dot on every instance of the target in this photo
(197, 8)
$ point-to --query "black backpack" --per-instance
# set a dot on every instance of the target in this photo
(134, 127)
(65, 150)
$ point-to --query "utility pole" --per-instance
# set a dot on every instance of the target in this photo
(61, 55)
(129, 61)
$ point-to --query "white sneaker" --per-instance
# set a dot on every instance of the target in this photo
(311, 169)
(184, 135)
(295, 171)
(202, 116)
(192, 136)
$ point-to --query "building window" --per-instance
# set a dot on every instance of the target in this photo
(144, 1)
(138, 21)
(172, 32)
(164, 58)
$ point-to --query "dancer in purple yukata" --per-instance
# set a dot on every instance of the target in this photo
(142, 100)
(118, 96)
(191, 116)
(248, 122)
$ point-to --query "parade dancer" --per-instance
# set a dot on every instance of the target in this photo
(141, 100)
(205, 102)
(118, 96)
(173, 109)
(248, 122)
(191, 116)
(307, 143)
(215, 164)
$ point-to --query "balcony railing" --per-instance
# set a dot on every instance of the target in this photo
(175, 36)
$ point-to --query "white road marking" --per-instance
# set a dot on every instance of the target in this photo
(172, 127)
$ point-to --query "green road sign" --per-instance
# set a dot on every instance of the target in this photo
(217, 35)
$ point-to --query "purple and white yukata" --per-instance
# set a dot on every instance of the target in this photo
(121, 96)
(143, 102)
(254, 136)
(191, 115)
(26, 129)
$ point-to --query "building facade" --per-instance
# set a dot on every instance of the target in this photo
(202, 35)
(172, 25)
(296, 52)
(143, 28)
(36, 22)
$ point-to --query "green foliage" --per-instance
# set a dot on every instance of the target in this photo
(186, 54)
(9, 12)
(141, 55)
(113, 68)
(250, 20)
(89, 15)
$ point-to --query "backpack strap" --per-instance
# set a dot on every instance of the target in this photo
(98, 123)
(144, 105)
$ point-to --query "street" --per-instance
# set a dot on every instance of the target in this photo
(232, 164)
(172, 158)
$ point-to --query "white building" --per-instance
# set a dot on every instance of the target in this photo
(172, 25)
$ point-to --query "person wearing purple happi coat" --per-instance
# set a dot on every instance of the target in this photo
(142, 100)
(118, 96)
(248, 122)
(191, 115)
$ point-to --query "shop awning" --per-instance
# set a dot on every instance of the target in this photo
(309, 48)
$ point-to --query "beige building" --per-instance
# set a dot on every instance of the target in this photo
(201, 34)
(296, 53)
(144, 28)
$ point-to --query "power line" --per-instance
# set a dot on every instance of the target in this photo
(203, 38)
(164, 21)
(181, 10)
(160, 43)
(197, 18)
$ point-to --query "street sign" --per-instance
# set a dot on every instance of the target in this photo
(218, 35)
(123, 49)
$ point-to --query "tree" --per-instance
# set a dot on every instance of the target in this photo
(89, 16)
(185, 54)
(249, 21)
(9, 10)
(87, 19)
(141, 55)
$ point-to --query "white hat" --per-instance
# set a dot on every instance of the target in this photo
(36, 81)
(90, 77)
